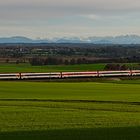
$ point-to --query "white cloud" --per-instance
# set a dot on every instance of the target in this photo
(92, 17)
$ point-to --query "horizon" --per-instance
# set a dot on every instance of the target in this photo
(80, 37)
(59, 18)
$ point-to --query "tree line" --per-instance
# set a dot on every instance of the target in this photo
(35, 61)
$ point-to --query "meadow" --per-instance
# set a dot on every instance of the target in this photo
(25, 67)
(79, 111)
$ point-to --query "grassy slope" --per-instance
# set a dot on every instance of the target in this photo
(53, 120)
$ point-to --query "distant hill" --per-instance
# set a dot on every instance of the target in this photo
(16, 39)
(127, 39)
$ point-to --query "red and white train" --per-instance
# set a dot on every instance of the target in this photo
(58, 75)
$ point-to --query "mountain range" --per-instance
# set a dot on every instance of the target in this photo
(124, 39)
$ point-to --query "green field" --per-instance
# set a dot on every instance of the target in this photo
(66, 111)
(49, 68)
(25, 67)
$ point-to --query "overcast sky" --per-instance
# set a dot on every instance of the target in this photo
(58, 18)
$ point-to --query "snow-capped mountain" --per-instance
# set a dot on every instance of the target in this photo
(127, 39)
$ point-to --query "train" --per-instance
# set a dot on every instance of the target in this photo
(61, 75)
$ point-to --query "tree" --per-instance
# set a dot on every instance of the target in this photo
(72, 61)
(66, 62)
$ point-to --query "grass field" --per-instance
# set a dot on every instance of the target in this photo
(25, 67)
(49, 68)
(65, 111)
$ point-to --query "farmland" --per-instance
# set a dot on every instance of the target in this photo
(26, 67)
(31, 110)
(49, 68)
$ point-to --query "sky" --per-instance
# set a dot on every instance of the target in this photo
(59, 18)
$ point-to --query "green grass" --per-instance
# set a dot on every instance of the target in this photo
(25, 67)
(49, 68)
(78, 111)
(124, 80)
(71, 91)
(128, 82)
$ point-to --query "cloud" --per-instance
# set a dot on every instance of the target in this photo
(65, 16)
(58, 8)
(92, 17)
